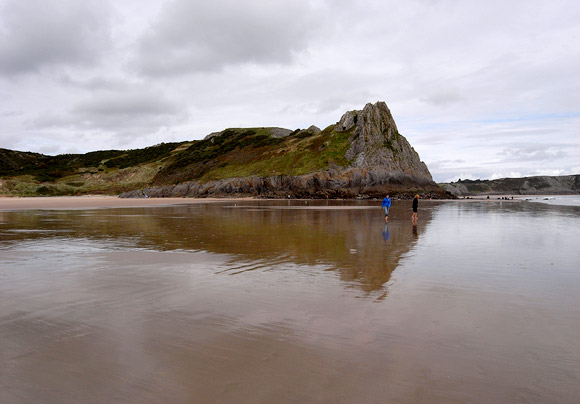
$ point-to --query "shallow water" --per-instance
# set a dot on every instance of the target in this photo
(291, 301)
(566, 200)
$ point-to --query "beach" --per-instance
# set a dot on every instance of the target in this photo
(260, 301)
(95, 202)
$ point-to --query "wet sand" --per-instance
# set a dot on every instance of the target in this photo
(290, 301)
(94, 202)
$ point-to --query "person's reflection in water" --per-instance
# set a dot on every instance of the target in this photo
(386, 234)
(415, 234)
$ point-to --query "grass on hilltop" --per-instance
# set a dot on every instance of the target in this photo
(231, 153)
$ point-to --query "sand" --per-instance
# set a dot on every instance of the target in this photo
(261, 302)
(101, 202)
(96, 202)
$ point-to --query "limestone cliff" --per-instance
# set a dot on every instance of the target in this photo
(376, 143)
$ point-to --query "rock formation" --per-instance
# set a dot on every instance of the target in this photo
(380, 160)
(540, 185)
(376, 142)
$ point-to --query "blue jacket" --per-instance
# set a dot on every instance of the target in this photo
(386, 202)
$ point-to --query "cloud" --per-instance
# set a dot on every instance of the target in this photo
(445, 163)
(551, 172)
(533, 152)
(202, 36)
(96, 83)
(443, 97)
(127, 106)
(126, 118)
(462, 176)
(533, 173)
(511, 174)
(38, 33)
(478, 88)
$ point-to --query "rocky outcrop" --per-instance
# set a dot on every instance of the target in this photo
(380, 160)
(349, 183)
(540, 185)
(376, 142)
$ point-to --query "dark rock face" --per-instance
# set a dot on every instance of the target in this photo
(350, 183)
(382, 161)
(540, 185)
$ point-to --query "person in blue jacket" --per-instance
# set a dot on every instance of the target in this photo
(386, 205)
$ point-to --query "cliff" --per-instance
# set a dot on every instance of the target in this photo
(540, 185)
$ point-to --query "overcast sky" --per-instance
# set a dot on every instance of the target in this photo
(481, 89)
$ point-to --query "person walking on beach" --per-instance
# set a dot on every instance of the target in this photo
(386, 205)
(414, 218)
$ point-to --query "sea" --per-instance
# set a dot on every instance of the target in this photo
(294, 301)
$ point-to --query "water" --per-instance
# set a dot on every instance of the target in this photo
(287, 302)
(566, 200)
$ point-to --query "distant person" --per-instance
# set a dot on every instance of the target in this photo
(414, 218)
(386, 205)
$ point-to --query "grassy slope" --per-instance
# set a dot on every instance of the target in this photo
(233, 153)
(100, 172)
(295, 156)
(251, 152)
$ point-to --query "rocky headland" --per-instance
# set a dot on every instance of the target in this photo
(537, 185)
(362, 155)
(370, 157)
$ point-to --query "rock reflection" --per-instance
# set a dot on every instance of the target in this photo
(260, 234)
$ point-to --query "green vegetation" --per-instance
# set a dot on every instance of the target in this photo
(139, 156)
(111, 182)
(229, 140)
(254, 152)
(33, 174)
(231, 153)
(50, 168)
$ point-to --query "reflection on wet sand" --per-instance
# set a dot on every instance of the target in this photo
(259, 235)
(290, 302)
(141, 305)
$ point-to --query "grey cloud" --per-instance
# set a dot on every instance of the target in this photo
(10, 113)
(118, 113)
(39, 33)
(464, 80)
(533, 153)
(442, 97)
(205, 36)
(442, 164)
(99, 83)
(129, 105)
(126, 115)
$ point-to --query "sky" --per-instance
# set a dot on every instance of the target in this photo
(481, 89)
